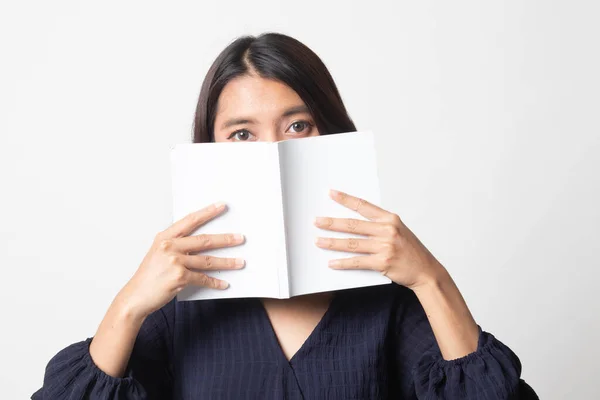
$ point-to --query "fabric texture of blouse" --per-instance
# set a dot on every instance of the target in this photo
(371, 343)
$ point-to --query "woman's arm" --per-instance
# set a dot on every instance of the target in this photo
(453, 325)
(437, 341)
(165, 270)
(109, 366)
(74, 373)
(392, 249)
(491, 371)
(112, 345)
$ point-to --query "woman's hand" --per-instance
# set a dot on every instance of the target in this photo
(389, 247)
(169, 266)
(165, 270)
(396, 252)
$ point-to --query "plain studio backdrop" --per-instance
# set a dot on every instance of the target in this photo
(485, 113)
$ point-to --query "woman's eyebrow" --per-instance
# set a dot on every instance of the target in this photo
(300, 109)
(237, 121)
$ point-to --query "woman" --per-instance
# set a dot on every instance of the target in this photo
(412, 339)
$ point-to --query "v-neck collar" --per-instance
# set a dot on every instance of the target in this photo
(309, 342)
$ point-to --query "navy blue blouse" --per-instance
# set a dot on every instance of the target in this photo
(372, 343)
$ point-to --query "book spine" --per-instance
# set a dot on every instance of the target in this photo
(283, 270)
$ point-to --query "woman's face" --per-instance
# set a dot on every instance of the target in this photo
(251, 108)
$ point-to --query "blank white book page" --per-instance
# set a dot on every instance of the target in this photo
(248, 181)
(309, 168)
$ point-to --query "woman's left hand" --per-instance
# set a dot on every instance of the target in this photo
(389, 247)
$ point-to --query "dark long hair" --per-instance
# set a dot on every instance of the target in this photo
(282, 58)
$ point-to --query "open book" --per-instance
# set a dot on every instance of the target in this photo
(274, 192)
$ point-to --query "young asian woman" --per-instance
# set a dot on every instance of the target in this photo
(412, 339)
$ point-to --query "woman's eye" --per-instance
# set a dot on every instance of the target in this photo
(241, 135)
(299, 126)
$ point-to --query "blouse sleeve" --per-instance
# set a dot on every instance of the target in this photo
(492, 372)
(72, 374)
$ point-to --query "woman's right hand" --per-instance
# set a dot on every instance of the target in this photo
(170, 265)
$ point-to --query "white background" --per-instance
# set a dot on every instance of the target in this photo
(487, 122)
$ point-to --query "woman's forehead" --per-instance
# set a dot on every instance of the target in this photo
(256, 96)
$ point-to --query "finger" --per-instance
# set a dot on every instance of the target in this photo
(359, 262)
(205, 262)
(192, 221)
(352, 245)
(351, 225)
(363, 207)
(195, 243)
(203, 280)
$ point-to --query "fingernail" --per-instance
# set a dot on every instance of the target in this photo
(334, 263)
(240, 262)
(219, 205)
(238, 237)
(333, 192)
(223, 285)
(320, 241)
(319, 221)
